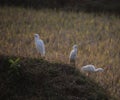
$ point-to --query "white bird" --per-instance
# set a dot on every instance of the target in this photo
(39, 45)
(91, 68)
(73, 55)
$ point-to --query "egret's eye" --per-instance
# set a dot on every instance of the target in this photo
(35, 35)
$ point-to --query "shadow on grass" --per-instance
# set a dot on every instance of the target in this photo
(96, 6)
(40, 79)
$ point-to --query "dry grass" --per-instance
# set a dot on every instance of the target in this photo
(60, 31)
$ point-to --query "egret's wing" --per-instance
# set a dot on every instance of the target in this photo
(43, 46)
(40, 46)
(72, 55)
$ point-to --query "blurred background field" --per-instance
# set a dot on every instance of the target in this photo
(60, 30)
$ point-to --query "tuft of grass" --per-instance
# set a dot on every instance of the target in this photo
(14, 70)
(60, 31)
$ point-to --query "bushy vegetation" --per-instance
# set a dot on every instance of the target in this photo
(76, 5)
(42, 80)
(60, 30)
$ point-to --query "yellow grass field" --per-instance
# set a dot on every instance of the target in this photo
(98, 37)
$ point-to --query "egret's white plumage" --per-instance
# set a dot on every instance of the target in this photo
(73, 54)
(39, 45)
(91, 68)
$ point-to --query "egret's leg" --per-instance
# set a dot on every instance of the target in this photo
(40, 55)
(72, 62)
(88, 74)
(43, 56)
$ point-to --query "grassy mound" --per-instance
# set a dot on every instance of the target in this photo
(38, 79)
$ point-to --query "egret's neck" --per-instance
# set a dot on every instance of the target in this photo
(36, 38)
(98, 69)
(75, 49)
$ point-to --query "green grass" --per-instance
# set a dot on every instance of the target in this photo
(60, 31)
(40, 79)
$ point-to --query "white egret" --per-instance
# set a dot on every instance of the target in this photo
(39, 45)
(91, 68)
(73, 55)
